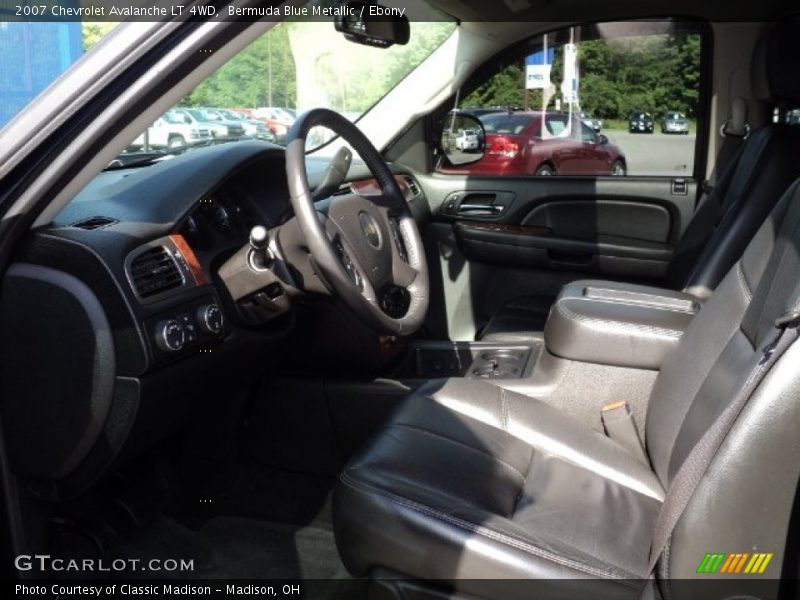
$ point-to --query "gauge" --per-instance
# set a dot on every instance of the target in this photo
(244, 213)
(195, 229)
(221, 217)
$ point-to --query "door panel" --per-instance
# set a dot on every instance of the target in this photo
(591, 226)
(535, 247)
(580, 222)
(588, 219)
(526, 236)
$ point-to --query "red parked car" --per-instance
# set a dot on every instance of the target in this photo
(544, 143)
(278, 124)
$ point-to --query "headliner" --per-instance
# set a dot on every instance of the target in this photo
(608, 10)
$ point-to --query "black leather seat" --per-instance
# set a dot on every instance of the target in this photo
(464, 461)
(470, 483)
(766, 165)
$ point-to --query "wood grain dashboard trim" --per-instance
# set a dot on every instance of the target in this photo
(191, 258)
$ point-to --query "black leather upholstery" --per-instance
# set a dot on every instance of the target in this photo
(775, 69)
(618, 324)
(471, 481)
(465, 460)
(728, 218)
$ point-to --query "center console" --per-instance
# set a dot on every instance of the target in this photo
(611, 338)
(591, 322)
(617, 324)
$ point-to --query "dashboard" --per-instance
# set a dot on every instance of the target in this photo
(128, 274)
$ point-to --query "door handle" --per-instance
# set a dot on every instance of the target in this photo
(480, 209)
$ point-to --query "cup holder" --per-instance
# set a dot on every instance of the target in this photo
(431, 360)
(496, 372)
(503, 354)
(500, 363)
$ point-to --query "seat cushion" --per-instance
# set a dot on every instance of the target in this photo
(469, 481)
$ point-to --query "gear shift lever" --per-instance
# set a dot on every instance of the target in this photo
(260, 256)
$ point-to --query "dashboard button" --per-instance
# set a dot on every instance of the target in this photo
(210, 318)
(170, 335)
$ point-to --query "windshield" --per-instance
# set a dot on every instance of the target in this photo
(201, 115)
(294, 67)
(229, 114)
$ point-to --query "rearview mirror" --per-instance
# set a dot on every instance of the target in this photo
(463, 139)
(372, 24)
(601, 139)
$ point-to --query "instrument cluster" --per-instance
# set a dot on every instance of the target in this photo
(222, 218)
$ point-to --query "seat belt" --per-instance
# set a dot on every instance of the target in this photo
(696, 464)
(619, 425)
(734, 132)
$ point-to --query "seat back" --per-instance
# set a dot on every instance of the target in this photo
(766, 165)
(752, 481)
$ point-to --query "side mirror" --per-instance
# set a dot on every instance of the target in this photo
(463, 139)
(602, 139)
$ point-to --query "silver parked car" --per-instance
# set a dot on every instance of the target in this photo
(252, 127)
(675, 122)
(221, 129)
(594, 124)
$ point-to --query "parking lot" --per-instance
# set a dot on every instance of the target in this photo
(656, 153)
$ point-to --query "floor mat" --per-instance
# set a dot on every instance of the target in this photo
(233, 520)
(251, 490)
(240, 548)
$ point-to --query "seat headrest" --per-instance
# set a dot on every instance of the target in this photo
(775, 71)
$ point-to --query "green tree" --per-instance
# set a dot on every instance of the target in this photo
(506, 88)
(93, 32)
(654, 73)
(264, 73)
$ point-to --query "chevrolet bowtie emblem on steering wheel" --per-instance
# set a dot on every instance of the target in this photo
(370, 228)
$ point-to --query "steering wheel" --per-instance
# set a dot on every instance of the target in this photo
(367, 249)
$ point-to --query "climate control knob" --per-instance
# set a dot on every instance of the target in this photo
(210, 318)
(170, 335)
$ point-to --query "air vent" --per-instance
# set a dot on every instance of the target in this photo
(412, 185)
(94, 223)
(154, 271)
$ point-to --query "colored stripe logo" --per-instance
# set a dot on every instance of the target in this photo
(734, 563)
